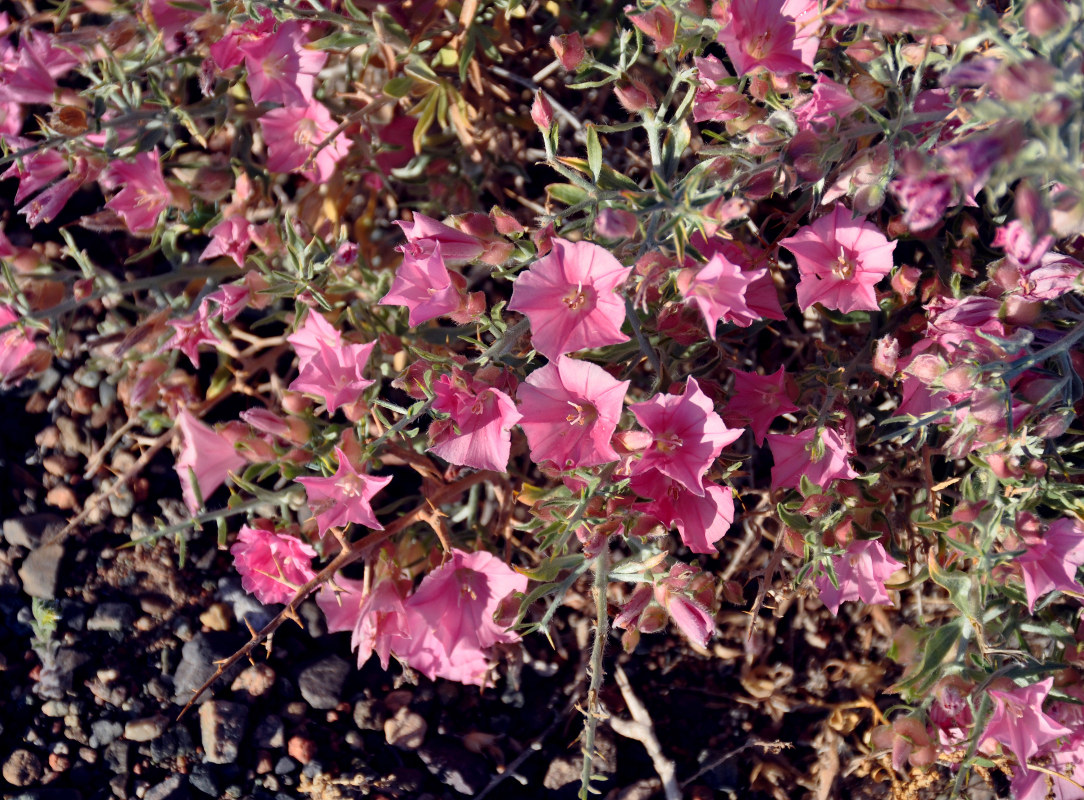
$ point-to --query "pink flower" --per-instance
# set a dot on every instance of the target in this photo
(293, 134)
(206, 454)
(570, 298)
(190, 333)
(35, 170)
(272, 565)
(456, 248)
(328, 368)
(281, 69)
(1050, 563)
(231, 299)
(1021, 247)
(16, 346)
(451, 616)
(686, 436)
(760, 294)
(341, 609)
(759, 399)
(718, 289)
(382, 624)
(776, 35)
(344, 497)
(861, 572)
(701, 520)
(840, 260)
(29, 74)
(794, 458)
(424, 285)
(1018, 721)
(1066, 760)
(479, 433)
(715, 100)
(570, 410)
(231, 237)
(826, 107)
(144, 194)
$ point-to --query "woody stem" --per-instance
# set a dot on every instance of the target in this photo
(593, 710)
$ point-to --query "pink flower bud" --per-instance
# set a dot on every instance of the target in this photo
(658, 23)
(1043, 16)
(634, 97)
(885, 356)
(569, 50)
(614, 223)
(542, 112)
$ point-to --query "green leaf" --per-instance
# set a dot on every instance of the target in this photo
(935, 650)
(594, 151)
(548, 570)
(566, 193)
(399, 87)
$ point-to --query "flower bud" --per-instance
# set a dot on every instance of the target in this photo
(542, 112)
(569, 50)
(658, 23)
(634, 96)
(1043, 16)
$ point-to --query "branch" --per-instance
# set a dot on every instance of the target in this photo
(642, 730)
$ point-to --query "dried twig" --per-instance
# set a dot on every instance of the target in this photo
(641, 728)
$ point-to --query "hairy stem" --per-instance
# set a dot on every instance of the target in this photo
(593, 710)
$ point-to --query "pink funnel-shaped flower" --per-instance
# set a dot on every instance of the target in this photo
(231, 237)
(1050, 563)
(570, 410)
(143, 195)
(840, 260)
(570, 298)
(456, 248)
(861, 572)
(451, 616)
(272, 565)
(293, 134)
(424, 285)
(16, 346)
(206, 453)
(777, 35)
(701, 520)
(794, 458)
(479, 433)
(686, 436)
(328, 368)
(281, 69)
(759, 399)
(1018, 721)
(190, 333)
(344, 497)
(718, 291)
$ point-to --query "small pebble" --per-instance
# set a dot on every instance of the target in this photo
(22, 768)
(146, 729)
(301, 749)
(217, 617)
(88, 755)
(255, 681)
(406, 730)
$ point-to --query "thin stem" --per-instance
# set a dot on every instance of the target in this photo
(594, 711)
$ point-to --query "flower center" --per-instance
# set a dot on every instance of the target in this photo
(761, 45)
(844, 266)
(577, 299)
(306, 132)
(669, 442)
(350, 485)
(582, 414)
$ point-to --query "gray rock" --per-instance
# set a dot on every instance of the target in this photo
(30, 532)
(119, 755)
(173, 788)
(222, 726)
(321, 683)
(40, 570)
(245, 607)
(270, 733)
(369, 715)
(22, 768)
(9, 581)
(146, 729)
(454, 766)
(112, 617)
(203, 780)
(197, 664)
(175, 742)
(103, 732)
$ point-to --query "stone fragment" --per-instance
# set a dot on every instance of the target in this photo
(222, 726)
(255, 681)
(40, 570)
(31, 531)
(321, 683)
(406, 730)
(112, 617)
(270, 733)
(217, 617)
(174, 787)
(22, 768)
(455, 766)
(146, 729)
(301, 749)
